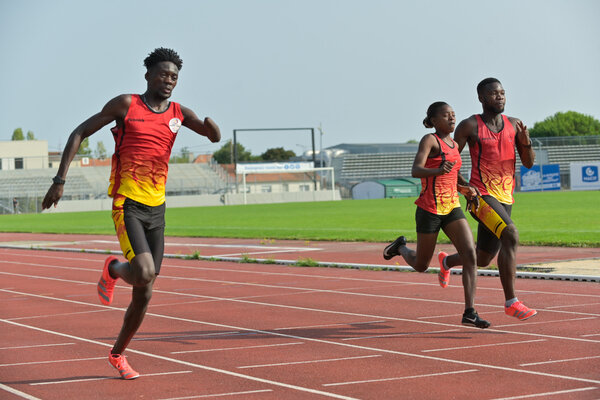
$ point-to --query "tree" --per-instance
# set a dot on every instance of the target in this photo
(224, 156)
(183, 157)
(18, 134)
(100, 151)
(84, 148)
(568, 123)
(30, 135)
(277, 154)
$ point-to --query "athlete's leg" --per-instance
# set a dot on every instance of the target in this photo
(459, 232)
(420, 258)
(140, 297)
(507, 260)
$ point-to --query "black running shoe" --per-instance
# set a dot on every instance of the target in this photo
(471, 318)
(391, 250)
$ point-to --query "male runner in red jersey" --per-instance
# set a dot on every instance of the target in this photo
(146, 127)
(492, 137)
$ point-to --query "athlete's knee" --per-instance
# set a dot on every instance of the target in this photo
(143, 268)
(510, 236)
(468, 256)
(421, 267)
(484, 258)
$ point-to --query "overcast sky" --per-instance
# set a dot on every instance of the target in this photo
(365, 71)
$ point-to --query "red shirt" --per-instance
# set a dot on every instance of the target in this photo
(493, 161)
(438, 193)
(143, 145)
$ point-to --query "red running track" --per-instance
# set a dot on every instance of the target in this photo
(252, 331)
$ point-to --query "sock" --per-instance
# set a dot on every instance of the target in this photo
(510, 302)
(469, 311)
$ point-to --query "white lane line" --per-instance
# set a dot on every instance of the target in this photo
(400, 334)
(591, 334)
(197, 335)
(51, 361)
(189, 364)
(167, 263)
(483, 345)
(401, 377)
(315, 340)
(104, 378)
(247, 253)
(329, 325)
(572, 305)
(56, 315)
(529, 396)
(289, 307)
(308, 362)
(236, 348)
(515, 323)
(218, 246)
(18, 392)
(202, 396)
(559, 361)
(34, 345)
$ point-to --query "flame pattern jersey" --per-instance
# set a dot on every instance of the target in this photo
(143, 144)
(438, 193)
(493, 161)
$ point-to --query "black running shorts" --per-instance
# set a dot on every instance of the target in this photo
(432, 223)
(140, 228)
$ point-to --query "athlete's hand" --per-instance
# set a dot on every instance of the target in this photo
(470, 193)
(54, 194)
(446, 167)
(523, 134)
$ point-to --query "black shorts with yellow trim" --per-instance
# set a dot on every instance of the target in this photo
(140, 228)
(432, 223)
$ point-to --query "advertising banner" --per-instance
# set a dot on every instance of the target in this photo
(540, 177)
(274, 167)
(584, 175)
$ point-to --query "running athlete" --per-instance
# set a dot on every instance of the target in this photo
(145, 130)
(437, 164)
(492, 137)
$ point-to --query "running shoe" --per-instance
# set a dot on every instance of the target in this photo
(444, 274)
(391, 250)
(120, 363)
(520, 310)
(106, 284)
(471, 318)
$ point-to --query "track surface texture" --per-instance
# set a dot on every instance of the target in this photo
(236, 330)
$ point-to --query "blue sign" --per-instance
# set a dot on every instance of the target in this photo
(545, 177)
(589, 173)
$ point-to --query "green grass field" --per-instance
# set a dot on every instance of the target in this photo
(546, 218)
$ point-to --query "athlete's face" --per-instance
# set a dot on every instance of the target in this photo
(444, 120)
(162, 79)
(493, 98)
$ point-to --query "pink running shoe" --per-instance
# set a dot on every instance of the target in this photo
(520, 311)
(444, 274)
(120, 363)
(106, 284)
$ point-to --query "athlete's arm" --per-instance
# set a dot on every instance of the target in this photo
(113, 110)
(523, 142)
(206, 128)
(466, 131)
(427, 146)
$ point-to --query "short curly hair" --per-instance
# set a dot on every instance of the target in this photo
(163, 54)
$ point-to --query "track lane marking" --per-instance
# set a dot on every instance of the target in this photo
(559, 361)
(236, 348)
(413, 355)
(529, 396)
(201, 396)
(308, 361)
(401, 378)
(104, 378)
(35, 345)
(482, 345)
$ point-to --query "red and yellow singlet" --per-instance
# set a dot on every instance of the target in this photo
(143, 146)
(493, 161)
(438, 193)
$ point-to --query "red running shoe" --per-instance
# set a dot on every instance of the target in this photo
(120, 363)
(106, 284)
(444, 274)
(520, 310)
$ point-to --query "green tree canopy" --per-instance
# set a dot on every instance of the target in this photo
(277, 154)
(30, 135)
(568, 123)
(84, 148)
(18, 134)
(224, 156)
(100, 151)
(183, 157)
